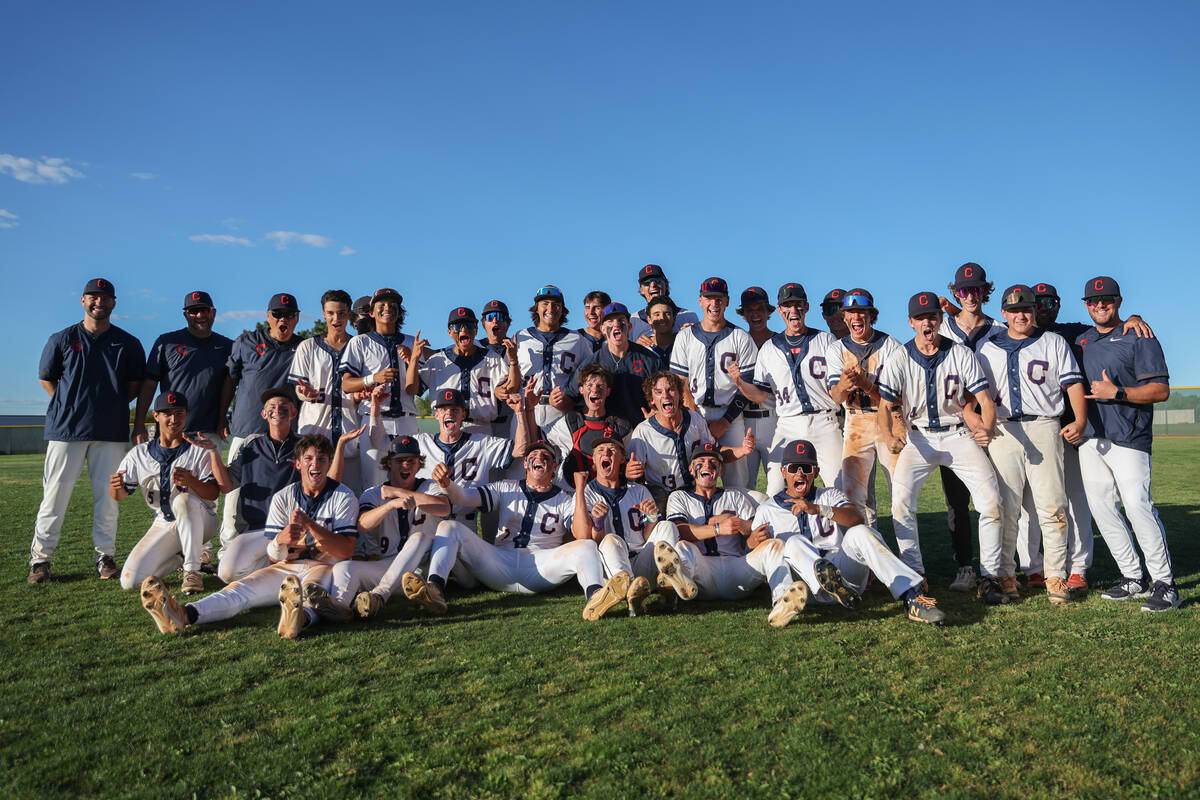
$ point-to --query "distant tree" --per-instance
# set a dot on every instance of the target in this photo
(423, 407)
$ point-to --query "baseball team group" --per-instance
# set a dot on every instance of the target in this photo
(623, 455)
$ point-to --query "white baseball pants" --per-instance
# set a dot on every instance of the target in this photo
(861, 554)
(61, 470)
(507, 569)
(229, 511)
(861, 448)
(764, 436)
(244, 555)
(1030, 454)
(823, 430)
(958, 451)
(169, 545)
(735, 577)
(1079, 523)
(257, 590)
(735, 474)
(615, 555)
(1116, 477)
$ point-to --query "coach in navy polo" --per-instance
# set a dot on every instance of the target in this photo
(629, 362)
(191, 361)
(91, 370)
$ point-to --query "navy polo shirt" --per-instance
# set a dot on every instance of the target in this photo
(92, 373)
(196, 368)
(257, 362)
(628, 374)
(1130, 360)
(263, 466)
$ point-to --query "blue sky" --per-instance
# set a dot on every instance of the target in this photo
(464, 151)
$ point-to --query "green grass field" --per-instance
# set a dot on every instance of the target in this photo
(518, 697)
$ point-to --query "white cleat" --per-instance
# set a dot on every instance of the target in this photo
(670, 569)
(165, 610)
(422, 591)
(291, 608)
(612, 592)
(793, 601)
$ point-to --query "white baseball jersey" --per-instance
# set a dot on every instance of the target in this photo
(1029, 376)
(624, 517)
(476, 376)
(550, 357)
(701, 357)
(332, 413)
(391, 534)
(148, 467)
(665, 453)
(931, 390)
(335, 508)
(639, 325)
(529, 519)
(796, 374)
(989, 328)
(369, 353)
(694, 509)
(871, 356)
(473, 460)
(824, 533)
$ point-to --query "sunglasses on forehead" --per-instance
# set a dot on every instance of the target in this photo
(549, 291)
(494, 316)
(283, 314)
(803, 469)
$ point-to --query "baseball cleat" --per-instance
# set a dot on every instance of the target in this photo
(421, 591)
(1035, 580)
(1164, 597)
(639, 590)
(1127, 589)
(668, 600)
(793, 601)
(318, 598)
(1057, 592)
(206, 565)
(1008, 583)
(193, 583)
(965, 580)
(367, 604)
(106, 568)
(924, 609)
(670, 569)
(1077, 582)
(162, 607)
(830, 579)
(291, 608)
(990, 592)
(39, 573)
(612, 592)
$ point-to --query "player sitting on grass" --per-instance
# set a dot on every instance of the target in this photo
(827, 545)
(175, 474)
(314, 525)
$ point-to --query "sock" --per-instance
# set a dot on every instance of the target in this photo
(310, 616)
(591, 590)
(438, 581)
(192, 614)
(911, 594)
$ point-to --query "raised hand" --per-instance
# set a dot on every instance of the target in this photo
(201, 441)
(634, 470)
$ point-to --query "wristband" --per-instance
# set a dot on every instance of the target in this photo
(369, 380)
(716, 529)
(826, 511)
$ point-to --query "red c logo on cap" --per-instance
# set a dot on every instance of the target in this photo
(1041, 287)
(969, 272)
(171, 399)
(449, 395)
(195, 295)
(285, 299)
(1099, 284)
(923, 300)
(462, 312)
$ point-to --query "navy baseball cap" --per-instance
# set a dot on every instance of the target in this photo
(283, 302)
(100, 286)
(1017, 296)
(1045, 290)
(386, 294)
(542, 444)
(800, 451)
(462, 314)
(832, 298)
(404, 447)
(549, 292)
(496, 307)
(168, 400)
(651, 272)
(362, 305)
(858, 300)
(790, 293)
(714, 287)
(613, 310)
(607, 436)
(755, 294)
(706, 449)
(197, 300)
(1102, 285)
(286, 392)
(923, 303)
(970, 274)
(449, 397)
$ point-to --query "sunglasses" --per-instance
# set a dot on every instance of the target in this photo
(283, 314)
(1048, 302)
(852, 301)
(196, 311)
(494, 316)
(458, 327)
(1101, 299)
(829, 309)
(803, 469)
(549, 291)
(970, 291)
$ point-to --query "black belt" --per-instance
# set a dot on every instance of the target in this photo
(759, 414)
(939, 428)
(393, 413)
(1022, 418)
(863, 411)
(816, 411)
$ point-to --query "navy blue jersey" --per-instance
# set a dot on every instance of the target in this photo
(1130, 360)
(257, 362)
(196, 368)
(262, 467)
(92, 376)
(628, 374)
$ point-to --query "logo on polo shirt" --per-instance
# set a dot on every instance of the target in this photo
(77, 345)
(260, 348)
(181, 349)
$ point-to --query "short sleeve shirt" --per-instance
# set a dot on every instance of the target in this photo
(92, 376)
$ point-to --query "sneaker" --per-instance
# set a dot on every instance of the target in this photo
(965, 580)
(924, 609)
(1057, 591)
(1127, 589)
(1035, 580)
(670, 569)
(1009, 584)
(39, 572)
(193, 583)
(106, 568)
(318, 598)
(830, 579)
(421, 591)
(1077, 582)
(291, 608)
(793, 601)
(990, 592)
(612, 592)
(1164, 597)
(639, 590)
(367, 604)
(164, 609)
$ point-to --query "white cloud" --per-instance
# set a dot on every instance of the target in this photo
(284, 238)
(347, 251)
(144, 176)
(8, 219)
(231, 223)
(43, 170)
(231, 316)
(221, 238)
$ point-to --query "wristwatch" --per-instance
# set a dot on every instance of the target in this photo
(1120, 395)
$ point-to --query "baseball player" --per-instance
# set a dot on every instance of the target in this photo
(854, 363)
(529, 555)
(175, 474)
(627, 364)
(258, 361)
(653, 283)
(496, 322)
(1126, 375)
(756, 309)
(701, 356)
(312, 525)
(931, 379)
(91, 370)
(791, 372)
(324, 408)
(660, 316)
(361, 317)
(575, 432)
(828, 546)
(831, 312)
(1029, 370)
(549, 352)
(719, 555)
(479, 374)
(593, 311)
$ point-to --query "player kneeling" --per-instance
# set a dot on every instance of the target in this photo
(529, 555)
(827, 544)
(314, 527)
